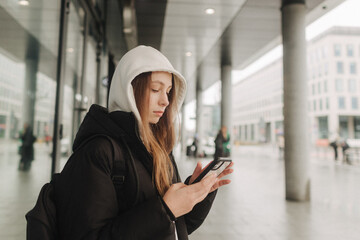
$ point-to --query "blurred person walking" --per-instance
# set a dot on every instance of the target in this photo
(222, 140)
(26, 150)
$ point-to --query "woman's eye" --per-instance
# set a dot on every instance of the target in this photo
(155, 90)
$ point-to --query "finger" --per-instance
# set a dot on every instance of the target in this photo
(230, 165)
(197, 169)
(227, 171)
(220, 184)
(196, 172)
(223, 182)
(204, 185)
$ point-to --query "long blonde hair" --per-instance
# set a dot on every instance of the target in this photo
(159, 138)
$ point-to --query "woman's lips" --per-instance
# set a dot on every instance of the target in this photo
(158, 113)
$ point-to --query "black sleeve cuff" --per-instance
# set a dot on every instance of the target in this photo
(168, 211)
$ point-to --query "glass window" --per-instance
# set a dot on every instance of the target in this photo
(252, 132)
(246, 132)
(320, 104)
(327, 103)
(337, 50)
(340, 67)
(353, 68)
(28, 81)
(354, 103)
(325, 86)
(323, 127)
(352, 85)
(314, 105)
(357, 127)
(339, 86)
(344, 126)
(350, 50)
(326, 69)
(319, 87)
(341, 103)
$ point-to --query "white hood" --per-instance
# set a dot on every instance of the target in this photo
(139, 60)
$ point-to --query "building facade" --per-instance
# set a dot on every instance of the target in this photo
(333, 92)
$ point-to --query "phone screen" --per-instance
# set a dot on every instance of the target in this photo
(217, 166)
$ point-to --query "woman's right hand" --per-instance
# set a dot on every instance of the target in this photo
(181, 198)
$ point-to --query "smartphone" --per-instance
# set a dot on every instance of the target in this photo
(216, 166)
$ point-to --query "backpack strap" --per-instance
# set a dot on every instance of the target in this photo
(119, 171)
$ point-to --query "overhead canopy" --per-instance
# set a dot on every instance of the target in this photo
(237, 33)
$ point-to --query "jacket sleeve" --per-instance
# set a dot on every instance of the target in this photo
(88, 207)
(198, 214)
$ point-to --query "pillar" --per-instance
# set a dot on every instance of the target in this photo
(296, 131)
(226, 96)
(60, 81)
(31, 66)
(199, 116)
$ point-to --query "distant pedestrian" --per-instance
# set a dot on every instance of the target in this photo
(26, 150)
(344, 146)
(222, 146)
(195, 144)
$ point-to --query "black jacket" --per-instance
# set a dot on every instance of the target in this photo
(86, 202)
(27, 147)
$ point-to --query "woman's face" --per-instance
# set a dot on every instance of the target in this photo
(160, 86)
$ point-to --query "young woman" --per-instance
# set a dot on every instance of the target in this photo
(145, 94)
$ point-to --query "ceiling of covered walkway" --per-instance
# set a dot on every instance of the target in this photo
(238, 33)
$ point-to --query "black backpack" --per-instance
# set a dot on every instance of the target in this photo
(41, 220)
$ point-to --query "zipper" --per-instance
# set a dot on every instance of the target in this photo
(176, 236)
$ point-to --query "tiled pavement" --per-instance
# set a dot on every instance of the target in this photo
(252, 207)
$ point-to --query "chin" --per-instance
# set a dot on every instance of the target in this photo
(154, 121)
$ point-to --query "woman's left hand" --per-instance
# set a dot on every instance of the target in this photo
(220, 182)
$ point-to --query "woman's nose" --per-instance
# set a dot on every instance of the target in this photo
(164, 100)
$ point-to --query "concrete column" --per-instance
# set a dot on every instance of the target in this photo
(31, 67)
(199, 117)
(226, 97)
(296, 129)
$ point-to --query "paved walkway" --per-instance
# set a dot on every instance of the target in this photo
(252, 207)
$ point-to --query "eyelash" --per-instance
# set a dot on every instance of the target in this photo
(154, 90)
